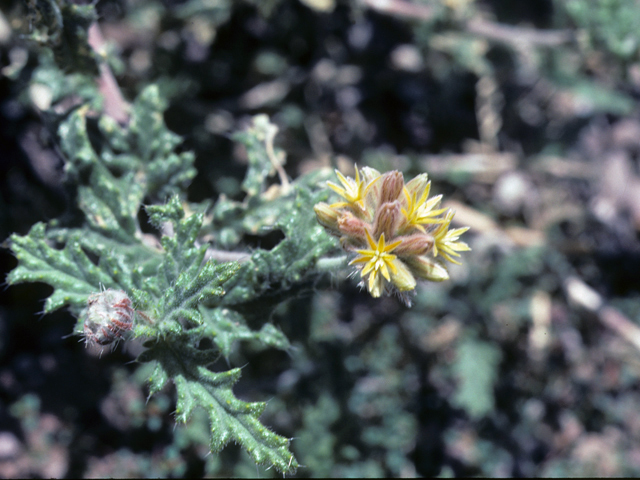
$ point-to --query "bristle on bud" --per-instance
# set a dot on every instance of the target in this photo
(108, 317)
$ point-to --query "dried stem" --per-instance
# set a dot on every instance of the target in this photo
(275, 161)
(225, 256)
(332, 263)
(513, 35)
(401, 8)
(583, 295)
(508, 34)
(114, 103)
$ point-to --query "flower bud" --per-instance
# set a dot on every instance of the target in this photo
(427, 268)
(327, 216)
(386, 219)
(391, 186)
(369, 174)
(416, 244)
(351, 226)
(109, 316)
(418, 185)
(402, 277)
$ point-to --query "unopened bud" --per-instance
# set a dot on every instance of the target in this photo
(416, 244)
(419, 185)
(351, 226)
(109, 316)
(391, 186)
(427, 268)
(402, 277)
(369, 174)
(327, 216)
(386, 220)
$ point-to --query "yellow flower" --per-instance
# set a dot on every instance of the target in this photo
(395, 228)
(419, 210)
(446, 241)
(351, 190)
(382, 265)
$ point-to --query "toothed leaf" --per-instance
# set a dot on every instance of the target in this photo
(230, 418)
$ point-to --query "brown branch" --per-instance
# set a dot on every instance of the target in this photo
(513, 35)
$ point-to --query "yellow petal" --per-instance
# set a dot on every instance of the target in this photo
(370, 241)
(391, 246)
(375, 285)
(385, 271)
(365, 258)
(336, 188)
(390, 261)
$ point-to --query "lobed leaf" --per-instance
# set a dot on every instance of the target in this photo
(262, 156)
(167, 172)
(225, 326)
(292, 261)
(69, 270)
(176, 293)
(230, 418)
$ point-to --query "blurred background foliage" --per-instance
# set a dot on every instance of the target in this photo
(524, 114)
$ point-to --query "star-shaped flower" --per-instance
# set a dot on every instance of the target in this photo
(420, 211)
(382, 265)
(446, 241)
(351, 190)
(394, 227)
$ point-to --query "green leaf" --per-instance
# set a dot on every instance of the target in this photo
(167, 172)
(183, 282)
(143, 156)
(230, 418)
(225, 326)
(178, 297)
(476, 369)
(292, 261)
(69, 270)
(110, 204)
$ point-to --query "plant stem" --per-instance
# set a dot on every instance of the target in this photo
(114, 103)
(332, 263)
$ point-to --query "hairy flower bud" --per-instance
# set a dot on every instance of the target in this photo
(391, 186)
(415, 244)
(369, 174)
(327, 216)
(387, 218)
(401, 277)
(351, 226)
(109, 316)
(418, 185)
(427, 268)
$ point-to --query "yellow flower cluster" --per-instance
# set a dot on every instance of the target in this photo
(397, 232)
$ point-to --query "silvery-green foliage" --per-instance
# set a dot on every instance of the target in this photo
(179, 296)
